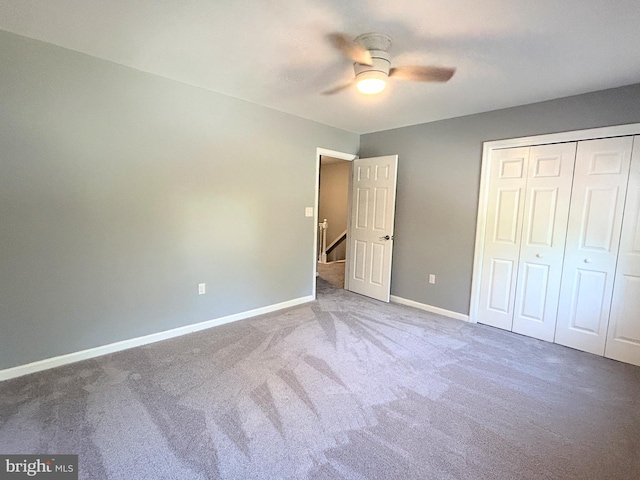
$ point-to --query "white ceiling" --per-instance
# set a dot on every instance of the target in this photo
(275, 53)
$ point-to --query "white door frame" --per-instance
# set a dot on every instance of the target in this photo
(342, 156)
(487, 149)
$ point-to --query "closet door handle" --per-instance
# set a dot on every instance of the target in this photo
(587, 260)
(539, 255)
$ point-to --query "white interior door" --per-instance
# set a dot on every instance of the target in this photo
(623, 337)
(593, 237)
(544, 228)
(505, 206)
(373, 193)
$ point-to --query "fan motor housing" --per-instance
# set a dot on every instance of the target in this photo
(374, 41)
(380, 63)
(378, 45)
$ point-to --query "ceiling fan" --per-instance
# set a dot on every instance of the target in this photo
(372, 64)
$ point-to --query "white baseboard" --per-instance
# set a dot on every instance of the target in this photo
(48, 363)
(429, 308)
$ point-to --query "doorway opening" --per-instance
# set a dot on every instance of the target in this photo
(370, 224)
(331, 248)
(333, 217)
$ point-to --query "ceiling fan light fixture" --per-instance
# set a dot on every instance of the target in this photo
(371, 82)
(369, 53)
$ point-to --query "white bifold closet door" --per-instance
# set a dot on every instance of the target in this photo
(593, 237)
(505, 206)
(528, 205)
(623, 337)
(544, 229)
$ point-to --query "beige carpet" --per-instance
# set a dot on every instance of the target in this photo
(332, 273)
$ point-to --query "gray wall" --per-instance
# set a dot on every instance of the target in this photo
(120, 191)
(439, 178)
(334, 203)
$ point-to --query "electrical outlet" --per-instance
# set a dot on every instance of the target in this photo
(202, 289)
(308, 212)
(432, 278)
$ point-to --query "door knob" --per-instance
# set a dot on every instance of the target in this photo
(386, 237)
(587, 260)
(539, 255)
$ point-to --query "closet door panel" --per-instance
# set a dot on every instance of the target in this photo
(546, 211)
(531, 294)
(623, 337)
(508, 176)
(593, 237)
